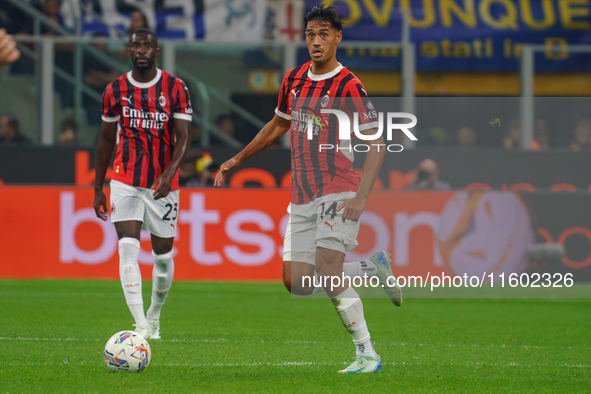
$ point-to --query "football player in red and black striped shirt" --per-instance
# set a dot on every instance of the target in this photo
(327, 197)
(146, 115)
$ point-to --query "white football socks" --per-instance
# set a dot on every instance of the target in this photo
(349, 307)
(162, 275)
(131, 278)
(360, 268)
(366, 349)
(351, 270)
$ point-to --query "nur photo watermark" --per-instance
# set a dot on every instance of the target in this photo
(442, 280)
(334, 122)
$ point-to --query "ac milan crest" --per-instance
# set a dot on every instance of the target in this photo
(162, 101)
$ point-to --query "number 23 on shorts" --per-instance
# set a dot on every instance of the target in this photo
(171, 212)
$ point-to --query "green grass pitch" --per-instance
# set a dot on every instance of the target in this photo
(253, 337)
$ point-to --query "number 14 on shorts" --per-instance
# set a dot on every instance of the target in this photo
(330, 211)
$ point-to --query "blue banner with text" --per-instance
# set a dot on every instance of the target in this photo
(475, 35)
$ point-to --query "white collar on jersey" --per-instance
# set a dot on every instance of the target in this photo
(144, 85)
(320, 77)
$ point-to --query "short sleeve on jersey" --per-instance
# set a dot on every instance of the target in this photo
(283, 109)
(109, 111)
(357, 101)
(182, 105)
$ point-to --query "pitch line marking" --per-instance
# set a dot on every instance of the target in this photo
(303, 342)
(314, 364)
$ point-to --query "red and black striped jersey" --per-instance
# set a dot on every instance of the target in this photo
(318, 172)
(144, 114)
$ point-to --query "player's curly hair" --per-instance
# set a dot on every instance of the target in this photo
(325, 13)
(143, 30)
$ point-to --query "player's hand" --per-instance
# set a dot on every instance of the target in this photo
(8, 51)
(164, 183)
(353, 208)
(224, 169)
(100, 200)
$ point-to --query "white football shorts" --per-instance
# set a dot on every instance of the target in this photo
(159, 217)
(318, 224)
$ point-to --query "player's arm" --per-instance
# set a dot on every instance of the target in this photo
(164, 181)
(371, 168)
(268, 135)
(359, 102)
(102, 158)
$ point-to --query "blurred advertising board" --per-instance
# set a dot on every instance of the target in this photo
(557, 171)
(461, 35)
(224, 234)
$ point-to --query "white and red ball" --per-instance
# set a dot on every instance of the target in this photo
(127, 351)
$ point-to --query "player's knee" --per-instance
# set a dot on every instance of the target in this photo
(296, 288)
(128, 229)
(329, 263)
(125, 233)
(287, 279)
(161, 250)
(162, 245)
(287, 283)
(300, 287)
(287, 275)
(329, 270)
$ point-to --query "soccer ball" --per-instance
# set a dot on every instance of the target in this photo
(127, 351)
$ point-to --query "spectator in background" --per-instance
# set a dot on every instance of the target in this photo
(59, 12)
(198, 169)
(226, 124)
(97, 75)
(426, 177)
(542, 137)
(51, 9)
(68, 133)
(9, 132)
(512, 139)
(582, 135)
(64, 51)
(12, 18)
(137, 20)
(466, 137)
(187, 170)
(195, 133)
(436, 136)
(8, 51)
